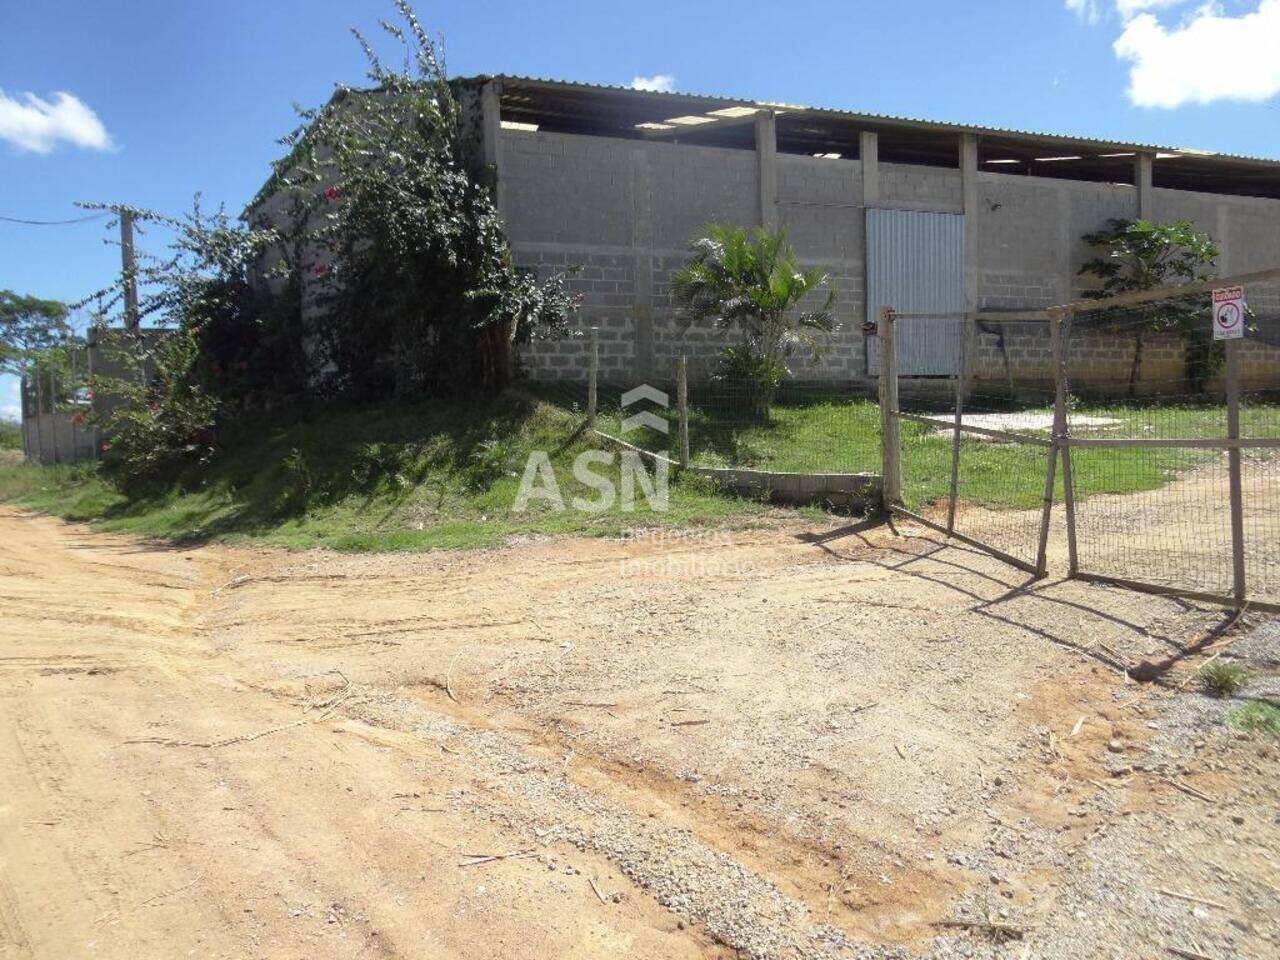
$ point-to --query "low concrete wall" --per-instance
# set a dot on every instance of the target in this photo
(857, 492)
(53, 438)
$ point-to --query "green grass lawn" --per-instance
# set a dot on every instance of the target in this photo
(438, 475)
(445, 474)
(821, 432)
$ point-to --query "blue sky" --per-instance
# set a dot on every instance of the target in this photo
(163, 98)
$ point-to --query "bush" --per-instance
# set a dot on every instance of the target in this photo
(162, 424)
(751, 280)
(415, 288)
(10, 435)
(1223, 679)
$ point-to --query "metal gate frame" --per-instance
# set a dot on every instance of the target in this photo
(1232, 443)
(891, 416)
(1060, 443)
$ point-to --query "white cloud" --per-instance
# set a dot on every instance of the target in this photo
(37, 125)
(660, 82)
(1128, 9)
(1086, 10)
(1207, 58)
(1091, 11)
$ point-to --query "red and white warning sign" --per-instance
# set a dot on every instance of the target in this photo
(1228, 313)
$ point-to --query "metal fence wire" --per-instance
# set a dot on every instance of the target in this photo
(1158, 443)
(975, 424)
(1154, 465)
(809, 428)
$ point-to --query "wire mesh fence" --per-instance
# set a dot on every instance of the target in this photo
(975, 439)
(1151, 406)
(796, 428)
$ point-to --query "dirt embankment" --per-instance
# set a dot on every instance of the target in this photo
(858, 743)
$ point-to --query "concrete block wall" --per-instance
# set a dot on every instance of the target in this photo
(569, 198)
(625, 210)
(820, 204)
(908, 187)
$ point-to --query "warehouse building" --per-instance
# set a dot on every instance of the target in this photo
(918, 215)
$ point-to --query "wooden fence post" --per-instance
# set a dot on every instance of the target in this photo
(593, 374)
(682, 399)
(890, 433)
(1233, 472)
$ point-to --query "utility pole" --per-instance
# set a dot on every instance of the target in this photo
(129, 272)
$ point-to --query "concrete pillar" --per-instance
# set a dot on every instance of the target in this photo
(1070, 245)
(1142, 178)
(1222, 233)
(869, 155)
(969, 187)
(767, 163)
(491, 132)
(642, 261)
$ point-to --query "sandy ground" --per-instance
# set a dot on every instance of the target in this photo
(787, 742)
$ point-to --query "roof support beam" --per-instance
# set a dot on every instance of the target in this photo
(869, 156)
(1143, 166)
(767, 165)
(969, 188)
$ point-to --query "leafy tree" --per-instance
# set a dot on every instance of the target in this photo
(1141, 255)
(29, 327)
(409, 282)
(417, 291)
(751, 280)
(31, 331)
(220, 344)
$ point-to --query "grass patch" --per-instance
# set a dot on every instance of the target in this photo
(405, 477)
(1262, 716)
(1223, 679)
(10, 435)
(820, 431)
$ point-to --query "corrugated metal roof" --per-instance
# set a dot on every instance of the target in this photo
(853, 115)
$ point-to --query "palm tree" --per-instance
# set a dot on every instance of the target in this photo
(751, 280)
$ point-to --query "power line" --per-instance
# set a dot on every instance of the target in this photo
(55, 223)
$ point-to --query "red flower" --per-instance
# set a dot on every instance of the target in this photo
(332, 193)
(106, 448)
(90, 393)
(320, 269)
(154, 408)
(77, 418)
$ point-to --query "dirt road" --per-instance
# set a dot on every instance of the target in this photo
(765, 744)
